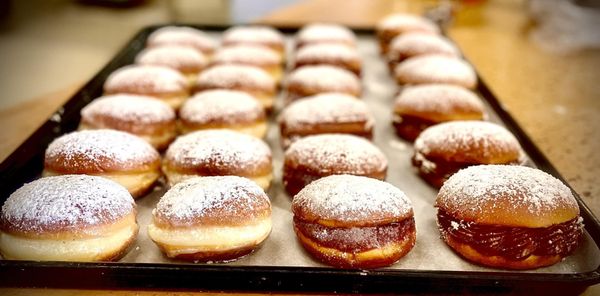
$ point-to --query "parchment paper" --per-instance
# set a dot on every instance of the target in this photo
(430, 252)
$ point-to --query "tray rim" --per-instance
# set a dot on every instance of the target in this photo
(118, 275)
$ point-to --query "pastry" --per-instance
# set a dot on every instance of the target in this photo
(313, 80)
(325, 114)
(445, 148)
(119, 156)
(186, 60)
(182, 36)
(400, 23)
(510, 217)
(427, 69)
(223, 109)
(255, 35)
(354, 222)
(145, 117)
(217, 218)
(314, 157)
(252, 55)
(318, 33)
(329, 54)
(415, 44)
(218, 153)
(68, 218)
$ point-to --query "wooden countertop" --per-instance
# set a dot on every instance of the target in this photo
(555, 98)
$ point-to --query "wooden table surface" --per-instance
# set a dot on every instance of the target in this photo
(555, 98)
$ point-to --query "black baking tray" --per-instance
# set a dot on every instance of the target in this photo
(26, 163)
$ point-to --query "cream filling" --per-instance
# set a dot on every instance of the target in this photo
(258, 130)
(174, 177)
(209, 238)
(134, 182)
(84, 249)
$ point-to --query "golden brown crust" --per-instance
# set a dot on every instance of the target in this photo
(290, 135)
(379, 257)
(213, 168)
(296, 90)
(532, 262)
(214, 256)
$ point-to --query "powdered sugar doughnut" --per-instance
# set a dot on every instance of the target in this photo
(445, 148)
(314, 157)
(317, 33)
(68, 218)
(353, 221)
(145, 117)
(255, 35)
(323, 114)
(508, 216)
(224, 109)
(156, 81)
(419, 107)
(435, 69)
(218, 153)
(329, 54)
(186, 60)
(313, 80)
(119, 156)
(400, 23)
(182, 36)
(415, 44)
(251, 55)
(211, 219)
(249, 79)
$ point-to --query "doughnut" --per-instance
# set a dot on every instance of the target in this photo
(419, 107)
(509, 217)
(445, 148)
(329, 54)
(314, 157)
(68, 218)
(434, 68)
(186, 60)
(182, 36)
(119, 156)
(218, 153)
(219, 218)
(249, 79)
(313, 80)
(251, 55)
(145, 117)
(354, 222)
(415, 44)
(325, 114)
(325, 33)
(255, 35)
(223, 109)
(156, 81)
(400, 23)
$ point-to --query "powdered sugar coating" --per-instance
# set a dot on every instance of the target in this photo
(327, 52)
(145, 80)
(129, 108)
(236, 77)
(433, 68)
(438, 99)
(325, 108)
(68, 202)
(349, 198)
(325, 32)
(412, 44)
(495, 192)
(247, 54)
(219, 197)
(337, 153)
(252, 34)
(183, 59)
(227, 149)
(183, 36)
(325, 78)
(98, 151)
(407, 22)
(222, 106)
(469, 141)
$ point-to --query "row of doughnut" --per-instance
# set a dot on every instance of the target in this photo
(344, 213)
